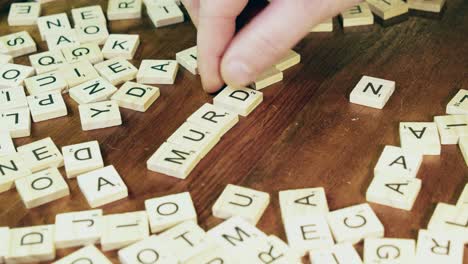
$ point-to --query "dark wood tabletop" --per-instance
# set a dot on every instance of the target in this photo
(304, 134)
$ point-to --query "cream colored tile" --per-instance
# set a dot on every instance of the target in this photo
(78, 73)
(47, 106)
(31, 244)
(157, 71)
(173, 160)
(87, 51)
(121, 230)
(78, 228)
(394, 191)
(117, 70)
(13, 97)
(389, 250)
(358, 15)
(395, 161)
(340, 253)
(152, 249)
(214, 118)
(81, 158)
(458, 105)
(269, 250)
(17, 44)
(290, 59)
(168, 211)
(62, 39)
(267, 78)
(16, 121)
(164, 15)
(302, 203)
(326, 26)
(53, 23)
(4, 59)
(88, 14)
(463, 199)
(436, 247)
(123, 9)
(388, 9)
(92, 33)
(138, 97)
(92, 91)
(4, 243)
(12, 168)
(185, 240)
(102, 186)
(7, 146)
(463, 144)
(420, 137)
(372, 92)
(451, 128)
(99, 115)
(13, 75)
(194, 137)
(47, 61)
(45, 83)
(188, 59)
(240, 201)
(41, 154)
(353, 224)
(451, 221)
(24, 14)
(121, 45)
(214, 254)
(434, 6)
(89, 254)
(241, 101)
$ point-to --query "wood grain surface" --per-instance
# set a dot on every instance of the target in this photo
(304, 134)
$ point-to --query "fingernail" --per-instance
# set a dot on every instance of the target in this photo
(237, 73)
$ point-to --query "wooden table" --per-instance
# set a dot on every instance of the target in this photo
(304, 134)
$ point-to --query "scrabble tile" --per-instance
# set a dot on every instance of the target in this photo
(12, 167)
(47, 61)
(4, 243)
(88, 52)
(188, 59)
(149, 3)
(81, 158)
(13, 75)
(420, 137)
(62, 39)
(41, 154)
(92, 91)
(269, 250)
(31, 244)
(395, 161)
(164, 15)
(53, 23)
(102, 186)
(78, 73)
(123, 9)
(451, 128)
(45, 83)
(340, 253)
(389, 250)
(88, 14)
(17, 44)
(354, 223)
(437, 247)
(463, 144)
(152, 249)
(372, 92)
(78, 228)
(121, 45)
(241, 101)
(450, 220)
(194, 137)
(243, 202)
(173, 160)
(325, 26)
(290, 59)
(13, 97)
(4, 59)
(170, 210)
(234, 233)
(99, 115)
(308, 233)
(23, 14)
(215, 255)
(394, 191)
(463, 199)
(267, 78)
(302, 202)
(6, 144)
(89, 254)
(117, 70)
(388, 9)
(358, 15)
(458, 105)
(184, 240)
(433, 6)
(42, 187)
(95, 33)
(157, 71)
(214, 118)
(16, 121)
(47, 106)
(138, 97)
(121, 230)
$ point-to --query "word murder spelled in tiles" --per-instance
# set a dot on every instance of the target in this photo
(194, 137)
(241, 101)
(173, 160)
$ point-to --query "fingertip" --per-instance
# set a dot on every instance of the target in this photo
(211, 84)
(237, 72)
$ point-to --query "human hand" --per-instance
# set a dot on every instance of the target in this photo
(236, 59)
